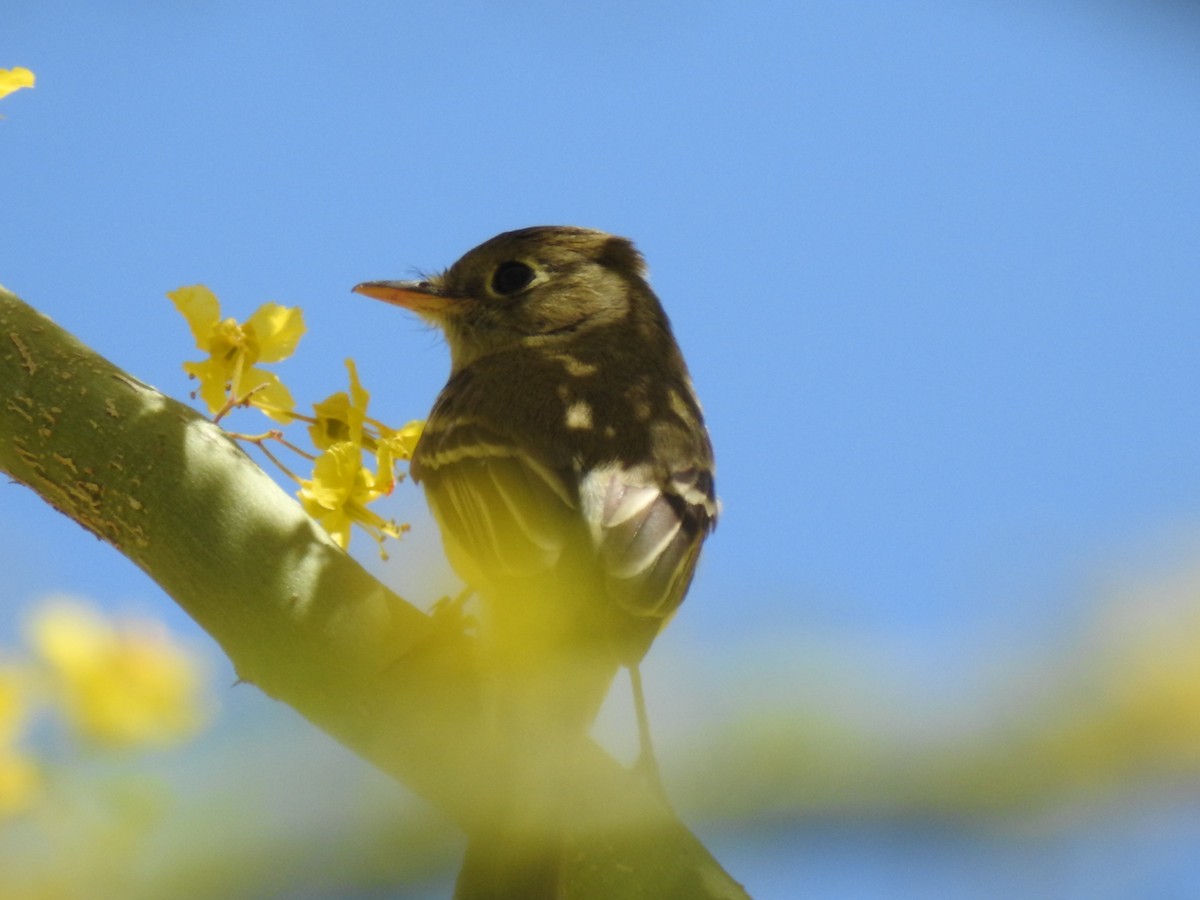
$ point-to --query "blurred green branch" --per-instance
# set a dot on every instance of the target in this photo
(298, 617)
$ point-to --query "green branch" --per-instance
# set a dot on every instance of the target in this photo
(297, 616)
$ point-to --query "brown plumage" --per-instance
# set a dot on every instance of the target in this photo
(568, 467)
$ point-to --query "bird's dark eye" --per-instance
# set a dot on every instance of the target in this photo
(510, 277)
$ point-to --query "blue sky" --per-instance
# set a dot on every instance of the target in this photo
(933, 265)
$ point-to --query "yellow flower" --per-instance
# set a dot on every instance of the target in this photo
(340, 416)
(269, 335)
(341, 486)
(118, 686)
(13, 708)
(14, 79)
(20, 782)
(392, 446)
(338, 494)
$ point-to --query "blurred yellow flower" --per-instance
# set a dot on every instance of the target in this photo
(13, 706)
(269, 335)
(20, 782)
(339, 491)
(20, 779)
(14, 79)
(123, 686)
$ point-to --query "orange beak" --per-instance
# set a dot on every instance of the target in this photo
(419, 296)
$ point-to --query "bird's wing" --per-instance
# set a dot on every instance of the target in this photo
(504, 513)
(501, 512)
(648, 528)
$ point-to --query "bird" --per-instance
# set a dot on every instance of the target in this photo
(568, 467)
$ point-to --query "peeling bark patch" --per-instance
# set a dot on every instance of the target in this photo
(27, 361)
(66, 462)
(12, 406)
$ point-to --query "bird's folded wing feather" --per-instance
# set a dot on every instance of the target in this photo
(502, 511)
(648, 531)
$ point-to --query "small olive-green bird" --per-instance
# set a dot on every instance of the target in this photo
(568, 467)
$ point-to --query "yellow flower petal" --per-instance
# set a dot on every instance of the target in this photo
(340, 417)
(358, 406)
(335, 474)
(402, 443)
(213, 375)
(277, 329)
(202, 310)
(333, 421)
(339, 491)
(393, 446)
(325, 495)
(334, 521)
(270, 394)
(14, 79)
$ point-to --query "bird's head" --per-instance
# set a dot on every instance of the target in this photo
(535, 286)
